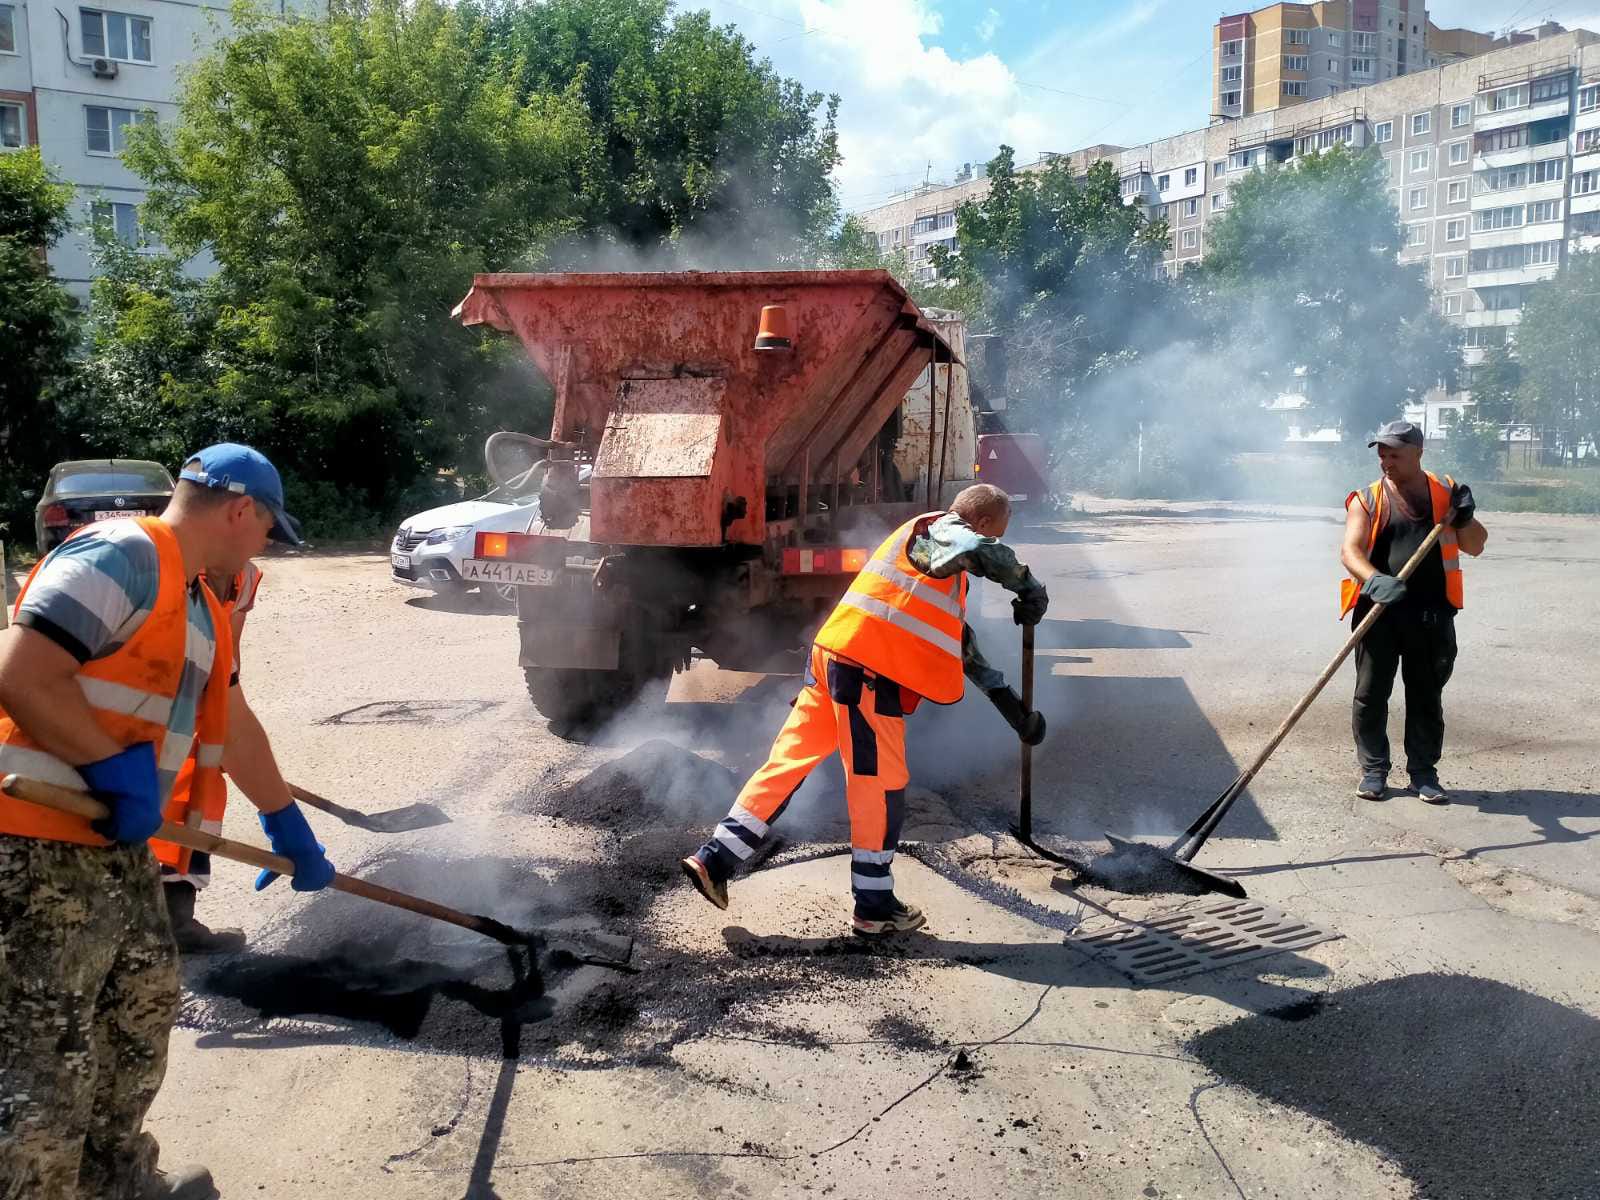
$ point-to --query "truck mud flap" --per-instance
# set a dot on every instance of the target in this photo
(571, 647)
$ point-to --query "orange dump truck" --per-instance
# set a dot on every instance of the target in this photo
(722, 459)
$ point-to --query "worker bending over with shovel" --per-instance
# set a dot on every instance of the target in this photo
(1385, 523)
(897, 637)
(115, 672)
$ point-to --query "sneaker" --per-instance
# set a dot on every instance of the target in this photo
(193, 938)
(188, 1183)
(713, 890)
(1373, 785)
(1429, 791)
(902, 918)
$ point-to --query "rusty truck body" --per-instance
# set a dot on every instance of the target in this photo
(726, 450)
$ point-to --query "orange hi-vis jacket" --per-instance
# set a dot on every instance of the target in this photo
(1375, 501)
(900, 623)
(131, 693)
(181, 807)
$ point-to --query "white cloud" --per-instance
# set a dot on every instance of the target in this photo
(986, 28)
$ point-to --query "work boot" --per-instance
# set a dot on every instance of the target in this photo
(186, 1183)
(712, 888)
(901, 918)
(1428, 790)
(192, 937)
(1373, 785)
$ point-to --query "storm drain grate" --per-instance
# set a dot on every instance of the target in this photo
(1203, 937)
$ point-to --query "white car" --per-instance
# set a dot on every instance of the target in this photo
(428, 548)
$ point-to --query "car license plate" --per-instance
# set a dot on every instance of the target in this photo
(111, 514)
(400, 562)
(490, 570)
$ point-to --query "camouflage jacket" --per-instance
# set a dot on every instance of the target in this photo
(950, 545)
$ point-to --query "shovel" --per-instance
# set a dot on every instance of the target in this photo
(396, 820)
(81, 804)
(1137, 863)
(1023, 829)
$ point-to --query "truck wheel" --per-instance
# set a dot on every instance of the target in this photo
(590, 696)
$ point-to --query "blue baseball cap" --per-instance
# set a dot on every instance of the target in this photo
(245, 471)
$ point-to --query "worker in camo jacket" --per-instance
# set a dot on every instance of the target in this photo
(898, 636)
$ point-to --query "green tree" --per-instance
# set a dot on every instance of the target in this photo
(698, 145)
(349, 176)
(1496, 382)
(38, 335)
(1558, 344)
(1302, 270)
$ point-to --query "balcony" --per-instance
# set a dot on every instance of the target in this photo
(1529, 193)
(1519, 235)
(1509, 277)
(1584, 204)
(931, 236)
(1487, 161)
(1544, 110)
(1484, 317)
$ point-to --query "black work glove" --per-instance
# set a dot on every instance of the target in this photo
(1466, 507)
(1384, 589)
(1030, 726)
(1030, 609)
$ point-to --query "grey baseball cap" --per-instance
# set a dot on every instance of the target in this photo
(1396, 434)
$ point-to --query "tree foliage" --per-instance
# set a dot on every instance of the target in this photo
(38, 333)
(1558, 345)
(1303, 270)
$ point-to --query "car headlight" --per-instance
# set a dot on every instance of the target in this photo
(448, 534)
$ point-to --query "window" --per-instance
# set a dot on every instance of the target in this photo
(1543, 254)
(1455, 268)
(1296, 62)
(1419, 160)
(1421, 123)
(11, 127)
(1191, 239)
(1218, 168)
(1583, 224)
(1191, 176)
(1502, 139)
(1163, 182)
(1548, 171)
(1294, 87)
(1229, 49)
(1416, 235)
(1460, 115)
(1497, 218)
(1219, 201)
(1161, 212)
(1500, 258)
(1456, 230)
(1460, 152)
(1333, 66)
(107, 128)
(1456, 192)
(1191, 208)
(1588, 141)
(8, 29)
(1335, 40)
(115, 35)
(1588, 98)
(1383, 131)
(1364, 43)
(1297, 37)
(115, 218)
(1231, 74)
(1503, 99)
(1230, 99)
(1585, 182)
(1241, 160)
(1361, 66)
(1553, 88)
(1544, 210)
(1452, 305)
(1419, 198)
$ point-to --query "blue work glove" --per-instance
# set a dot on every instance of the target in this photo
(1384, 589)
(1029, 608)
(292, 837)
(128, 785)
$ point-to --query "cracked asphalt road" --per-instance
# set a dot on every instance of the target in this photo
(991, 1056)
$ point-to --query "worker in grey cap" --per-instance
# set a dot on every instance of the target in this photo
(1385, 524)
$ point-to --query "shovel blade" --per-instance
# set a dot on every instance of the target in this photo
(1137, 867)
(399, 820)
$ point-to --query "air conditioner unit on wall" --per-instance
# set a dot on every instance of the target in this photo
(103, 68)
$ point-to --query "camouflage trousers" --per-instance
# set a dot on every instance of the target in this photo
(88, 995)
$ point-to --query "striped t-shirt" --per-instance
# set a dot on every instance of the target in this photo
(94, 591)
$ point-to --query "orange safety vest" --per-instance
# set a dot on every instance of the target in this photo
(131, 693)
(900, 623)
(181, 807)
(1375, 501)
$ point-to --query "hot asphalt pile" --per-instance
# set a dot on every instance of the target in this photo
(1476, 1089)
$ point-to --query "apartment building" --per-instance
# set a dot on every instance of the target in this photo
(1493, 162)
(75, 79)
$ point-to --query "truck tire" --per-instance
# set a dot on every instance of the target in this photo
(589, 697)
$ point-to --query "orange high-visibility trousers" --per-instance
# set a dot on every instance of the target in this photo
(847, 709)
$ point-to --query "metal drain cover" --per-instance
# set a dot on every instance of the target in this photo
(1201, 937)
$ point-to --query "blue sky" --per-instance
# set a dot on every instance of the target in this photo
(927, 85)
